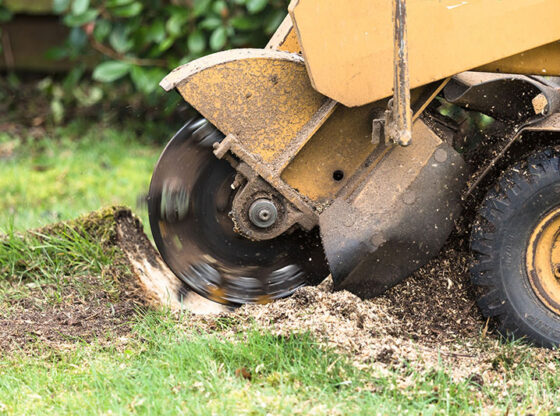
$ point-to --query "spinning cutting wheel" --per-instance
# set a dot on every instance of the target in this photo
(189, 205)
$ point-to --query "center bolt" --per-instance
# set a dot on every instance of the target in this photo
(263, 213)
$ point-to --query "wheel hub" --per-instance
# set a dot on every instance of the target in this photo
(543, 260)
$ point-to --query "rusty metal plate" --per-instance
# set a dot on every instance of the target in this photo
(263, 97)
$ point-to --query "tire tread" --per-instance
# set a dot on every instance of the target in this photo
(496, 209)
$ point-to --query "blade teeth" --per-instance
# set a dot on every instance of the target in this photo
(181, 234)
(206, 135)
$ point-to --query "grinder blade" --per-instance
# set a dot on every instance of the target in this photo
(189, 202)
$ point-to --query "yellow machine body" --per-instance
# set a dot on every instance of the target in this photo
(300, 116)
(348, 46)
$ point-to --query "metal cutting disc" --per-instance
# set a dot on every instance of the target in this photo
(189, 201)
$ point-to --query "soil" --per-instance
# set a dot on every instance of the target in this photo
(74, 319)
(431, 316)
(84, 309)
(429, 319)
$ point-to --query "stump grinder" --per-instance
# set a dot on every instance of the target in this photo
(346, 147)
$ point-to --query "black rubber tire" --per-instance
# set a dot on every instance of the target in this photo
(522, 196)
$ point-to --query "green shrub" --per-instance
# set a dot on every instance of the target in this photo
(121, 49)
(141, 40)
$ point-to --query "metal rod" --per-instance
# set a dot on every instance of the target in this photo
(401, 131)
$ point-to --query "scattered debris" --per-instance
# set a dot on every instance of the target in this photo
(428, 320)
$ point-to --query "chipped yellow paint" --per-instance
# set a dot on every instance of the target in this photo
(264, 100)
(543, 260)
(262, 97)
(342, 144)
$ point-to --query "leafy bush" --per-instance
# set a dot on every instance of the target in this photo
(121, 49)
(143, 39)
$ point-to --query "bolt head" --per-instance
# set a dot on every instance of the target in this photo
(263, 213)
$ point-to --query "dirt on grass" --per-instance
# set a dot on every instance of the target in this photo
(429, 319)
(72, 319)
(85, 308)
(72, 309)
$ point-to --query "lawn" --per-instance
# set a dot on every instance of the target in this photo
(73, 170)
(152, 361)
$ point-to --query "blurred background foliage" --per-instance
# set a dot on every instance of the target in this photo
(119, 50)
(82, 116)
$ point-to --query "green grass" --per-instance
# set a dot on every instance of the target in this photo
(172, 374)
(168, 365)
(169, 368)
(75, 169)
(44, 256)
(55, 256)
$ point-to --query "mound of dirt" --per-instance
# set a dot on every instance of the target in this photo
(428, 320)
(431, 316)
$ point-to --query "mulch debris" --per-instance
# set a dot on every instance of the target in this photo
(429, 319)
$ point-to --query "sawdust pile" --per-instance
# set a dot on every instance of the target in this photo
(433, 309)
(429, 319)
